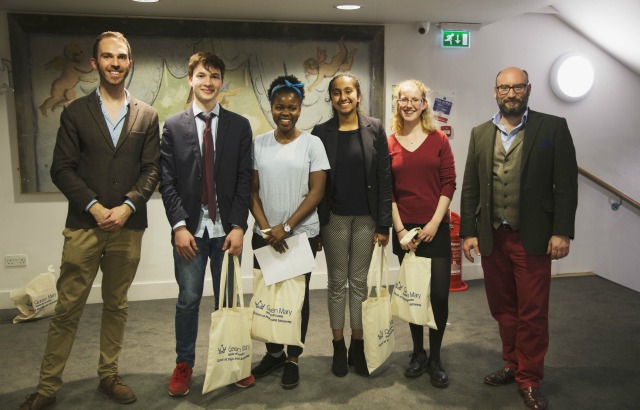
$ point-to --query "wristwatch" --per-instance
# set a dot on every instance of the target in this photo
(287, 228)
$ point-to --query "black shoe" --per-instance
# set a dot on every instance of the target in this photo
(268, 364)
(357, 358)
(438, 377)
(417, 365)
(339, 366)
(290, 375)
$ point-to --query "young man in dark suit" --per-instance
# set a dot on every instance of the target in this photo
(206, 189)
(105, 162)
(519, 200)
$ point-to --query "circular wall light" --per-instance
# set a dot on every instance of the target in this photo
(571, 77)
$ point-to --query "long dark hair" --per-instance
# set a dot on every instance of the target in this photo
(356, 81)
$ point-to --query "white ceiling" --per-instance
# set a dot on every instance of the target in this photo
(612, 24)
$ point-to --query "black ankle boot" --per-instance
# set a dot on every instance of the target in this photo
(339, 366)
(436, 372)
(356, 357)
(417, 365)
(350, 356)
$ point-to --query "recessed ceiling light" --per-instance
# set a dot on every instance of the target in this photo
(146, 1)
(347, 6)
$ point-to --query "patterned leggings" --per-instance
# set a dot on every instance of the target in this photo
(348, 246)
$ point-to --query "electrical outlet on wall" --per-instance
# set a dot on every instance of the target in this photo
(11, 261)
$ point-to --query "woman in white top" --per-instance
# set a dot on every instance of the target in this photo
(288, 183)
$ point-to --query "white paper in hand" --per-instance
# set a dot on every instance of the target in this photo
(297, 260)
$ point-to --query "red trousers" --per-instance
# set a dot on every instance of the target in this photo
(517, 286)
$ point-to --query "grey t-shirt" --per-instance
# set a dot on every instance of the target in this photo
(284, 170)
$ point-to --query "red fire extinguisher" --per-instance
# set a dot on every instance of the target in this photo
(456, 284)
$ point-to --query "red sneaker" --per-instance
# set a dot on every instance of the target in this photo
(180, 380)
(246, 382)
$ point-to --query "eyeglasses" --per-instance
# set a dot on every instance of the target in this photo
(402, 102)
(517, 88)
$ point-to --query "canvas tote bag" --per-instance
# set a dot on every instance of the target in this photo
(377, 320)
(230, 346)
(411, 293)
(277, 310)
(37, 299)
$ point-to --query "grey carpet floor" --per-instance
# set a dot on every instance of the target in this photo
(593, 360)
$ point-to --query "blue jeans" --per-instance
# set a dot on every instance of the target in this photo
(190, 276)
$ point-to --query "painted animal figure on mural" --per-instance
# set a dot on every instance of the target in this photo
(72, 69)
(322, 69)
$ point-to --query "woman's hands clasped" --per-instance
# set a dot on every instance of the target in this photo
(275, 236)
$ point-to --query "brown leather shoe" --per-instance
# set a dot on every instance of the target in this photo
(37, 401)
(119, 392)
(533, 399)
(501, 377)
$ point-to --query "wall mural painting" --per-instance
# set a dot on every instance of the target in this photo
(56, 70)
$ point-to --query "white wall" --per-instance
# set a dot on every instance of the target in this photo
(604, 128)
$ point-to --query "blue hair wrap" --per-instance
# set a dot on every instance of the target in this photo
(287, 84)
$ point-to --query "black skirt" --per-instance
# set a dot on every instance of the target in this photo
(439, 247)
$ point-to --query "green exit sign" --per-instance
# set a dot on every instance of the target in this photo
(455, 39)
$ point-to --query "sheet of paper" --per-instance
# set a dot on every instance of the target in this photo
(297, 260)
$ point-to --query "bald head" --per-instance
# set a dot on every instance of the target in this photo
(516, 74)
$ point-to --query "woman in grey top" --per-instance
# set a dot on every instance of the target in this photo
(288, 182)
